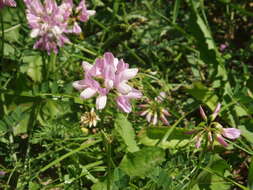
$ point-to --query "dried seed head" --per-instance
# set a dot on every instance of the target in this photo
(89, 118)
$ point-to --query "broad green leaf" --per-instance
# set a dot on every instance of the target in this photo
(22, 125)
(159, 132)
(34, 186)
(151, 136)
(126, 131)
(206, 32)
(142, 162)
(246, 132)
(99, 186)
(120, 179)
(33, 68)
(203, 94)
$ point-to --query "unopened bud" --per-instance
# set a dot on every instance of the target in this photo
(202, 113)
(216, 112)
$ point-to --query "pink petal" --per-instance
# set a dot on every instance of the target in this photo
(231, 133)
(79, 85)
(76, 28)
(134, 94)
(144, 113)
(165, 112)
(221, 140)
(86, 66)
(202, 113)
(10, 3)
(123, 104)
(124, 88)
(216, 111)
(164, 119)
(198, 141)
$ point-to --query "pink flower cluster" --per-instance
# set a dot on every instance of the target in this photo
(107, 74)
(155, 110)
(51, 22)
(8, 3)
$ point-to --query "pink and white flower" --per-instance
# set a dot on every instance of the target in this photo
(51, 23)
(106, 74)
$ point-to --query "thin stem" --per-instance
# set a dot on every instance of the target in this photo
(2, 37)
(109, 151)
(52, 62)
(84, 49)
(107, 143)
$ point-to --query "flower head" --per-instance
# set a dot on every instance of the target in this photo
(51, 23)
(8, 3)
(89, 118)
(213, 130)
(106, 74)
(155, 111)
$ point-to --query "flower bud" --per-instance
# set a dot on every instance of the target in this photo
(216, 112)
(202, 113)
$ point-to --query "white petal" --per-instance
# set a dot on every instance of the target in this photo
(35, 33)
(101, 102)
(91, 12)
(124, 88)
(78, 85)
(129, 74)
(88, 93)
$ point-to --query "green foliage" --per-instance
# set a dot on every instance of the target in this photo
(176, 46)
(126, 131)
(140, 163)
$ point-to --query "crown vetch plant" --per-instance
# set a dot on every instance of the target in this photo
(106, 74)
(50, 22)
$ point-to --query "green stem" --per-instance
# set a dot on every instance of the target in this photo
(2, 37)
(52, 62)
(109, 151)
(107, 143)
(84, 49)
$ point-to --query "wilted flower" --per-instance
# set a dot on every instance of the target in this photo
(89, 118)
(155, 111)
(51, 22)
(106, 74)
(8, 3)
(211, 130)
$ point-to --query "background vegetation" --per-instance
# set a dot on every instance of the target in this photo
(199, 52)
